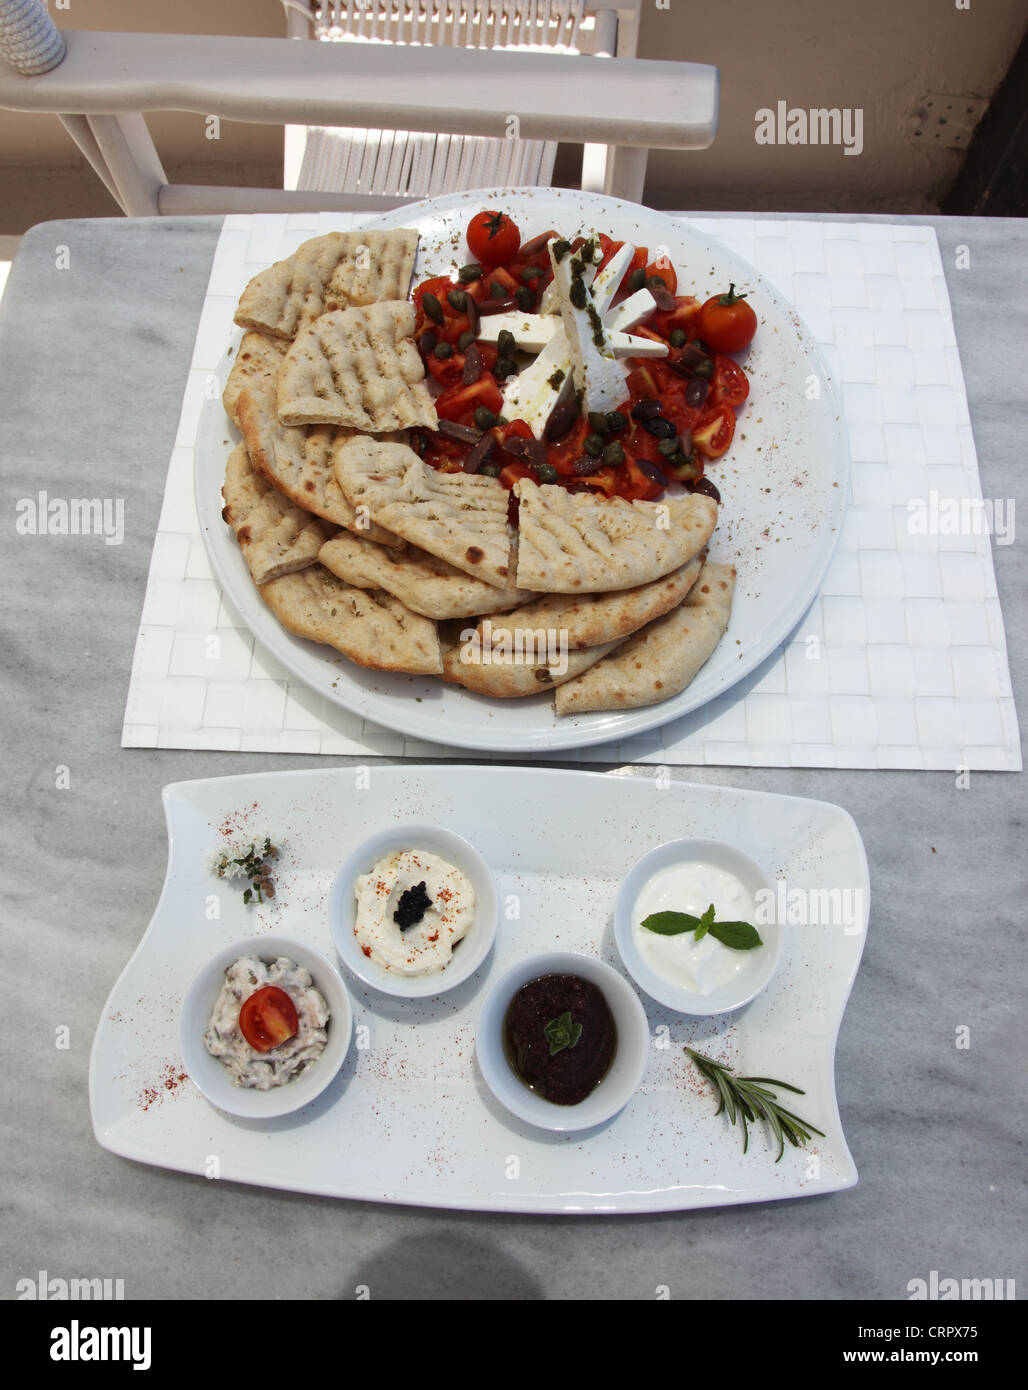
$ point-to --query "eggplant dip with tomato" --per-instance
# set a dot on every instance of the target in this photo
(268, 1023)
(578, 363)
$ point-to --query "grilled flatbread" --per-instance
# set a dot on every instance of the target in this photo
(422, 581)
(459, 517)
(493, 659)
(589, 620)
(328, 272)
(256, 364)
(300, 462)
(276, 536)
(660, 660)
(359, 368)
(572, 542)
(371, 628)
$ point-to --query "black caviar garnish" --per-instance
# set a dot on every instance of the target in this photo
(414, 903)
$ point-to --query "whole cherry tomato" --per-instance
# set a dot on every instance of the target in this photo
(268, 1018)
(493, 238)
(727, 323)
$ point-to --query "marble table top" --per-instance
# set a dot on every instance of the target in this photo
(96, 332)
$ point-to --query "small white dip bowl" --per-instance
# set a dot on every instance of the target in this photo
(756, 967)
(211, 1077)
(613, 1092)
(468, 953)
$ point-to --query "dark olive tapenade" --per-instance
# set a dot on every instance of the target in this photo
(539, 1042)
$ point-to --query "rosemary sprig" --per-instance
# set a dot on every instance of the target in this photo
(746, 1100)
(254, 866)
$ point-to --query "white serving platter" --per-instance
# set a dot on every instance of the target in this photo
(784, 486)
(409, 1118)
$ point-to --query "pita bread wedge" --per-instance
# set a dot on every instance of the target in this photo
(371, 628)
(300, 462)
(459, 517)
(328, 272)
(506, 668)
(573, 542)
(256, 364)
(661, 659)
(589, 620)
(422, 581)
(359, 368)
(276, 536)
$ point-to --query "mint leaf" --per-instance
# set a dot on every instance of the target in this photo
(670, 923)
(705, 923)
(740, 936)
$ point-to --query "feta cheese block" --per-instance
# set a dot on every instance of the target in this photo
(598, 374)
(532, 394)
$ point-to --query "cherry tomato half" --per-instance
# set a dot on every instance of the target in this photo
(727, 323)
(268, 1018)
(493, 238)
(715, 431)
(729, 384)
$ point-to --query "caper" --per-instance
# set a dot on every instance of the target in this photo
(598, 422)
(526, 298)
(505, 343)
(467, 273)
(615, 421)
(613, 455)
(484, 418)
(443, 351)
(637, 279)
(593, 444)
(496, 290)
(677, 338)
(545, 472)
(457, 300)
(433, 309)
(506, 366)
(530, 275)
(491, 470)
(465, 340)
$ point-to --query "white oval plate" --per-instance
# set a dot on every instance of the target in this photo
(784, 485)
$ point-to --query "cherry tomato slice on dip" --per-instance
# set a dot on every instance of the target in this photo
(268, 1018)
(493, 238)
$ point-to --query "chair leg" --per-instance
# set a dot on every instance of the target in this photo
(626, 173)
(133, 162)
(79, 130)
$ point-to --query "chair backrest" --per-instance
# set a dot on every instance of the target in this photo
(395, 162)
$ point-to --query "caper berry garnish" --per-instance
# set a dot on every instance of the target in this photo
(593, 444)
(443, 351)
(433, 309)
(613, 455)
(457, 300)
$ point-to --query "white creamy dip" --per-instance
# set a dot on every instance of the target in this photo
(427, 946)
(224, 1039)
(691, 886)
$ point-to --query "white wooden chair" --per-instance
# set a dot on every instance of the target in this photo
(101, 85)
(391, 163)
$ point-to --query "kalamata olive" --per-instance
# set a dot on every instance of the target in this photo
(433, 309)
(708, 489)
(467, 273)
(563, 415)
(457, 300)
(480, 453)
(484, 418)
(664, 298)
(530, 451)
(660, 428)
(428, 340)
(645, 410)
(537, 243)
(464, 433)
(472, 364)
(586, 465)
(471, 309)
(497, 306)
(696, 391)
(688, 359)
(651, 471)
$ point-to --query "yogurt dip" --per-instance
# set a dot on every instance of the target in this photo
(224, 1039)
(436, 917)
(691, 886)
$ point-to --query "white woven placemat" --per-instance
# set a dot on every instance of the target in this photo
(901, 661)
